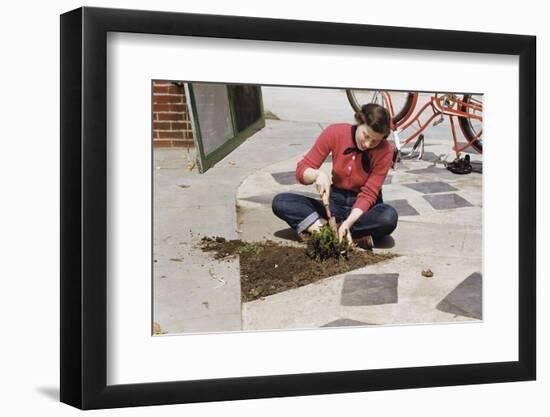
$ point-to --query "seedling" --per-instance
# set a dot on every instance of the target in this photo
(324, 245)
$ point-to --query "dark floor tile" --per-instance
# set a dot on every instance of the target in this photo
(430, 187)
(427, 156)
(447, 201)
(369, 289)
(440, 173)
(403, 207)
(465, 299)
(345, 322)
(477, 166)
(430, 156)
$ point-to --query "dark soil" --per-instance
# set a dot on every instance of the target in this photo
(268, 267)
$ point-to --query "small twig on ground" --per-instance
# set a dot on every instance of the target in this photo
(217, 278)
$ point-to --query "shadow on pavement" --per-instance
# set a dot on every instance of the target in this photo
(386, 242)
(287, 234)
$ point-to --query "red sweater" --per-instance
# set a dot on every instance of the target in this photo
(347, 170)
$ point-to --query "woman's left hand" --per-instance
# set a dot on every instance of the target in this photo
(344, 233)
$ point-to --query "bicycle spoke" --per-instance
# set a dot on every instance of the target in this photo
(472, 121)
(476, 125)
(399, 101)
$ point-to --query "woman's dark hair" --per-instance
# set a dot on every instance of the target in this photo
(376, 117)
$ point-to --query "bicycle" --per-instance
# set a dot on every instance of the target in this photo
(401, 105)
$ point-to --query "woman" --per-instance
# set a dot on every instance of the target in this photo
(361, 159)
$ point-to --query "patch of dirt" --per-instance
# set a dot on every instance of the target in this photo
(269, 267)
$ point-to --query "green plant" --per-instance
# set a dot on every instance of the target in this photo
(324, 244)
(249, 248)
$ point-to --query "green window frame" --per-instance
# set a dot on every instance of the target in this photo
(208, 160)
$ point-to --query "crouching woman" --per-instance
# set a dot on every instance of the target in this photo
(361, 159)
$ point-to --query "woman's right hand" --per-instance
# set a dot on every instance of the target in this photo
(322, 183)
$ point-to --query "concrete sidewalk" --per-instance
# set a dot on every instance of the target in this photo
(191, 291)
(439, 228)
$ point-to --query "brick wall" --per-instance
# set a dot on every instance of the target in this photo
(171, 123)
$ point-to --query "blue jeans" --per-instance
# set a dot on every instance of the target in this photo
(300, 212)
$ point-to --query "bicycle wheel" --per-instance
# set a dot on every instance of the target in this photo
(402, 102)
(472, 129)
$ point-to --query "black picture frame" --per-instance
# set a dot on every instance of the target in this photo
(84, 207)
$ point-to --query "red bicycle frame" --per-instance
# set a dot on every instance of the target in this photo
(441, 106)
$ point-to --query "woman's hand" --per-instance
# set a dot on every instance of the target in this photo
(322, 183)
(344, 229)
(344, 233)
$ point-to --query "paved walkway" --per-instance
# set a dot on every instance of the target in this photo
(191, 291)
(439, 228)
